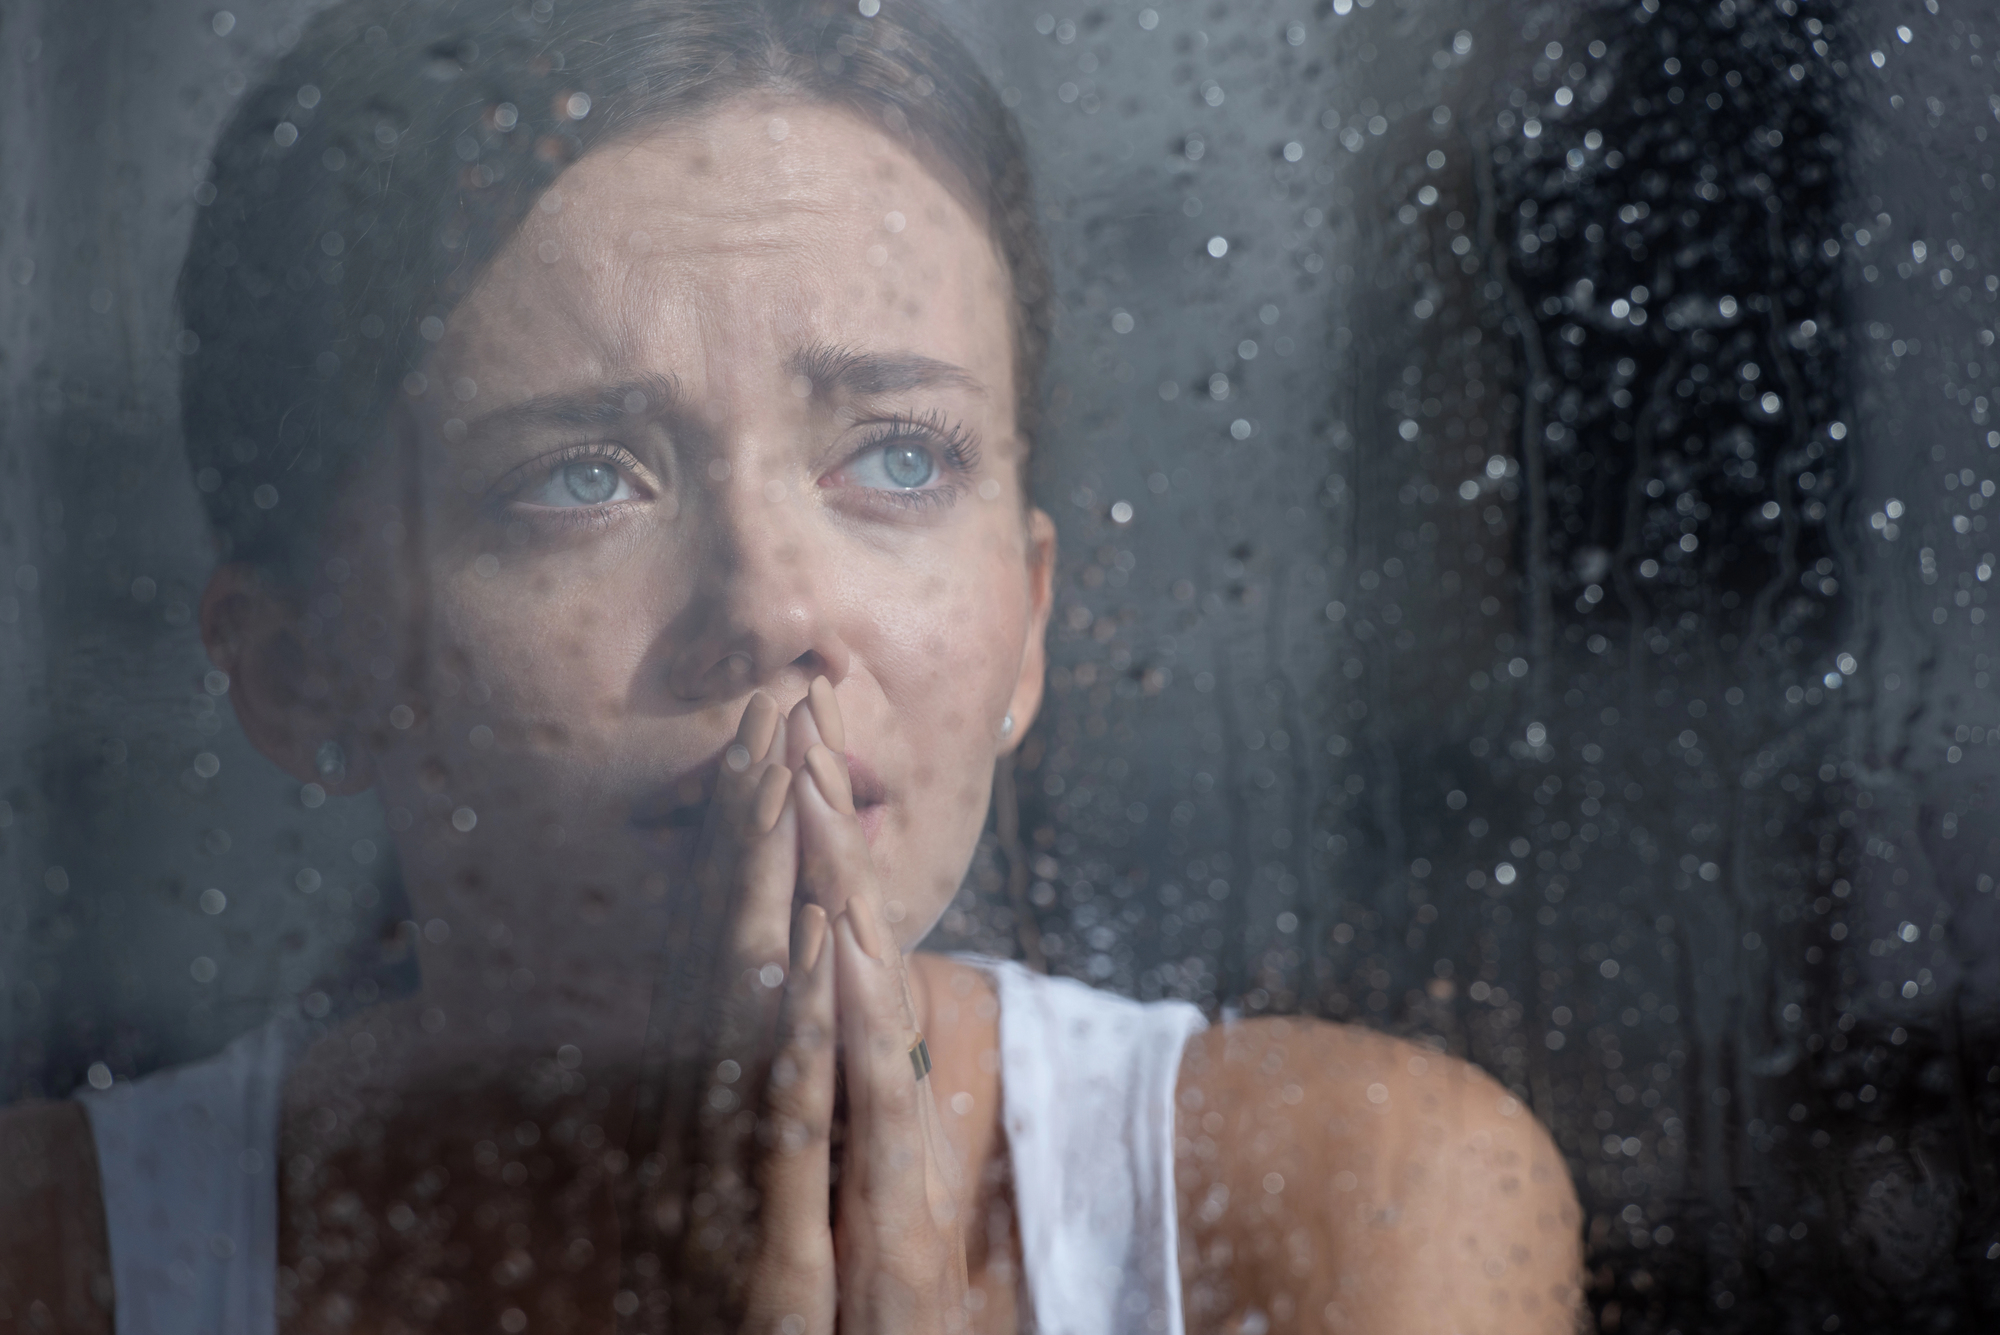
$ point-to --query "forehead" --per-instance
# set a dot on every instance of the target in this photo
(760, 226)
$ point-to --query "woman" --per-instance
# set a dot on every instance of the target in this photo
(616, 424)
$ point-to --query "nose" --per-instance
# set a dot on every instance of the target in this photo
(757, 610)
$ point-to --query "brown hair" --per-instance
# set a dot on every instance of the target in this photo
(360, 191)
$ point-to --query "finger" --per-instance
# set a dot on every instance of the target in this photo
(739, 810)
(795, 1249)
(831, 777)
(714, 1014)
(802, 732)
(836, 870)
(747, 857)
(769, 800)
(826, 713)
(886, 1146)
(760, 724)
(799, 1095)
(766, 875)
(743, 758)
(808, 939)
(746, 890)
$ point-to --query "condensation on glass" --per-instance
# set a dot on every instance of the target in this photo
(1525, 476)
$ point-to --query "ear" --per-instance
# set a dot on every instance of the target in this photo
(1027, 698)
(276, 682)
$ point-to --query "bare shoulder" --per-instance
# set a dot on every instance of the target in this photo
(55, 1265)
(1334, 1178)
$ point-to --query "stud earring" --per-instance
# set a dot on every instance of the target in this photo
(330, 760)
(1007, 726)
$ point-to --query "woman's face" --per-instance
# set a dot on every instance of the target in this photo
(733, 410)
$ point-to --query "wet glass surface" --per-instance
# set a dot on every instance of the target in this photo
(1524, 476)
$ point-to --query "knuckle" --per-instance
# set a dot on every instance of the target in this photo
(792, 1134)
(899, 1101)
(805, 1042)
(795, 1100)
(759, 946)
(799, 1081)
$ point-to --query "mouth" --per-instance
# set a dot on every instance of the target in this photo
(672, 816)
(871, 797)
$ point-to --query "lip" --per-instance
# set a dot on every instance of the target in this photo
(672, 815)
(871, 796)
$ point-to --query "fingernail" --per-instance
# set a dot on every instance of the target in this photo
(774, 748)
(832, 782)
(772, 790)
(826, 713)
(855, 934)
(811, 945)
(801, 731)
(760, 720)
(868, 928)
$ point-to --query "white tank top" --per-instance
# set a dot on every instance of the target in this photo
(188, 1161)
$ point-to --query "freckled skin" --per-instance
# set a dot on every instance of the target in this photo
(711, 254)
(613, 661)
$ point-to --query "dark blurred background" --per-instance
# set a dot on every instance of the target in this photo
(1524, 474)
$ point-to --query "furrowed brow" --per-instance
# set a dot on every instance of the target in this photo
(832, 368)
(600, 405)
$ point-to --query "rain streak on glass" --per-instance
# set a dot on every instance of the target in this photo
(1526, 484)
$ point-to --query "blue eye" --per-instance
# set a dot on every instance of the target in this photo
(580, 483)
(895, 467)
(908, 466)
(911, 462)
(590, 483)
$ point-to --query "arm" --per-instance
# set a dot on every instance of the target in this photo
(55, 1264)
(1334, 1179)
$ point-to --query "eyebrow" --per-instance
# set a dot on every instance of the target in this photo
(601, 405)
(830, 366)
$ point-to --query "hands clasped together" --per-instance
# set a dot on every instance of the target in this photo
(771, 1226)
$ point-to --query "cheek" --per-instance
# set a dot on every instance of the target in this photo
(541, 650)
(952, 639)
(419, 619)
(527, 688)
(946, 654)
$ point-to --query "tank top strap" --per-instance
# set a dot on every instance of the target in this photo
(1087, 1091)
(187, 1161)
